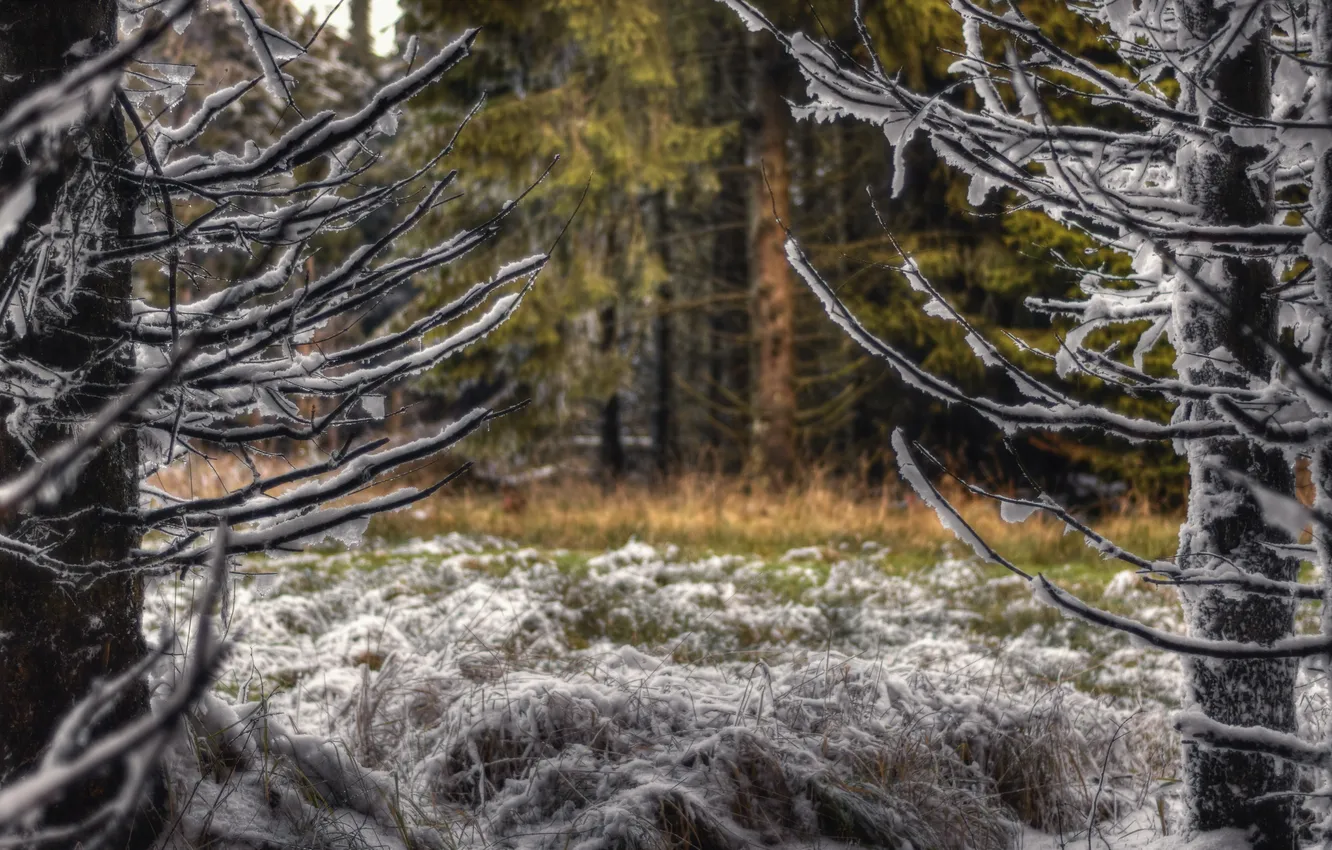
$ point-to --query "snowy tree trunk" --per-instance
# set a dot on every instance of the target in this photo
(1320, 200)
(57, 636)
(773, 283)
(1225, 526)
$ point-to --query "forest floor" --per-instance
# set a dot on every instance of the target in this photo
(468, 690)
(875, 686)
(703, 513)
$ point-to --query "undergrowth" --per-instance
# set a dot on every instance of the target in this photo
(479, 693)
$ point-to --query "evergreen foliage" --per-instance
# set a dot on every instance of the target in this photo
(649, 108)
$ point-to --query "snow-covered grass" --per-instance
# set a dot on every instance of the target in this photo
(466, 691)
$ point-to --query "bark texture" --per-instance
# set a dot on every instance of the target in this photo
(773, 283)
(1320, 200)
(1226, 315)
(56, 637)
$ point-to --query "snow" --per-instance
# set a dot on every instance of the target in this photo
(748, 15)
(267, 46)
(1141, 830)
(15, 206)
(1015, 512)
(468, 682)
(803, 553)
(496, 691)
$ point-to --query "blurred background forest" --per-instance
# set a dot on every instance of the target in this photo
(669, 339)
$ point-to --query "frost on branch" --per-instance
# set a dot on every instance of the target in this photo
(1213, 186)
(236, 359)
(239, 330)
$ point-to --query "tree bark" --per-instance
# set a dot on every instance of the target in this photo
(663, 414)
(772, 283)
(1224, 525)
(613, 459)
(57, 636)
(663, 451)
(361, 41)
(728, 324)
(1320, 201)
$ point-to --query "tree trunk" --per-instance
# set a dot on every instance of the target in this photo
(612, 439)
(1225, 526)
(663, 419)
(772, 283)
(1320, 201)
(60, 636)
(361, 40)
(662, 427)
(729, 368)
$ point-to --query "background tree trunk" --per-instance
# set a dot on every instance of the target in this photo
(1224, 525)
(57, 637)
(729, 368)
(772, 283)
(613, 459)
(663, 415)
(361, 37)
(663, 450)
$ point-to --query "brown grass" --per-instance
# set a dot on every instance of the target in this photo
(703, 513)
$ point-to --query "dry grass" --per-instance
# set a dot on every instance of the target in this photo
(703, 513)
(720, 514)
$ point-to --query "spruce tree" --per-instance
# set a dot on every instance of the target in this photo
(229, 344)
(1198, 183)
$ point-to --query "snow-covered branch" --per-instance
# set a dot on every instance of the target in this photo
(165, 296)
(1212, 183)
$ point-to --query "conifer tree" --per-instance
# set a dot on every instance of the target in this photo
(107, 168)
(655, 285)
(1201, 187)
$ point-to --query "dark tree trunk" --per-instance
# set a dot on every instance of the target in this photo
(662, 427)
(728, 321)
(663, 419)
(60, 636)
(612, 442)
(726, 362)
(773, 285)
(1225, 525)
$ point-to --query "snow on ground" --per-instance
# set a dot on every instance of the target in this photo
(463, 691)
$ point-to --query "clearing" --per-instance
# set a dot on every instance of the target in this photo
(464, 690)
